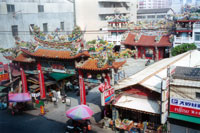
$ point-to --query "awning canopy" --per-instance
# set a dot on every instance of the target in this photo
(2, 88)
(185, 118)
(140, 104)
(3, 94)
(47, 83)
(60, 76)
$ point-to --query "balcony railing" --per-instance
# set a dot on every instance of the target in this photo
(110, 38)
(183, 29)
(196, 26)
(180, 40)
(118, 28)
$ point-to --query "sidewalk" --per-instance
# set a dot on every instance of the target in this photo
(57, 113)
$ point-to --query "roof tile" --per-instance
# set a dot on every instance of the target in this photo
(147, 41)
(91, 64)
(55, 54)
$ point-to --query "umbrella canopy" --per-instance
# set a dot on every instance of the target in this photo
(80, 112)
(19, 97)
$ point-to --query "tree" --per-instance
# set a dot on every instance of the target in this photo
(183, 48)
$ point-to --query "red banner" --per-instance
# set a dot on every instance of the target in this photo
(82, 88)
(41, 82)
(108, 96)
(24, 82)
(185, 110)
(106, 85)
(4, 77)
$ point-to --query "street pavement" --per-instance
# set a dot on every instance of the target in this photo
(55, 114)
(24, 123)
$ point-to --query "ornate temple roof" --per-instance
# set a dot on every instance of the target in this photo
(147, 41)
(24, 58)
(91, 64)
(55, 54)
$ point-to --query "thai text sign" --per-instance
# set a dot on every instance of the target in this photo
(107, 96)
(186, 107)
(4, 77)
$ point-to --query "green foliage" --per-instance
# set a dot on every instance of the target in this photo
(91, 42)
(183, 48)
(102, 42)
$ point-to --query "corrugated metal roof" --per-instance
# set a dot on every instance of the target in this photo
(187, 73)
(140, 104)
(151, 76)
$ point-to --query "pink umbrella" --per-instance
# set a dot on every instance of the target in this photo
(80, 112)
(19, 97)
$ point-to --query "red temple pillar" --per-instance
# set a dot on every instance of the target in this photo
(41, 81)
(24, 81)
(82, 88)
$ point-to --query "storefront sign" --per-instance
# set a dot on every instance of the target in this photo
(171, 70)
(4, 77)
(165, 106)
(107, 96)
(165, 84)
(186, 107)
(165, 95)
(164, 99)
(164, 117)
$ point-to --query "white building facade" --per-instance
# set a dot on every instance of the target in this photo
(153, 4)
(91, 15)
(16, 17)
(154, 14)
(188, 35)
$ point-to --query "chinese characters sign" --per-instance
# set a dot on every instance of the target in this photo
(107, 96)
(186, 107)
(4, 77)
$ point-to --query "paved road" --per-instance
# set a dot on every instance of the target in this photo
(25, 123)
(36, 124)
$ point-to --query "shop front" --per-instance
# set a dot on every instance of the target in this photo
(137, 113)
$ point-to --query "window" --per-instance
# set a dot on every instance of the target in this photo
(10, 8)
(45, 27)
(160, 16)
(14, 30)
(197, 36)
(141, 17)
(40, 8)
(62, 27)
(151, 16)
(31, 28)
(198, 95)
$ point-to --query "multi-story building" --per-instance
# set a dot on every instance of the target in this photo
(16, 17)
(91, 15)
(154, 14)
(184, 110)
(117, 26)
(187, 31)
(178, 4)
(152, 4)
